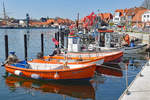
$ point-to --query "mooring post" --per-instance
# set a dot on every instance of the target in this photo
(42, 43)
(127, 91)
(66, 35)
(6, 46)
(57, 38)
(148, 54)
(25, 46)
(62, 39)
(67, 40)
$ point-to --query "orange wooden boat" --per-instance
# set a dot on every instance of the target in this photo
(107, 56)
(73, 60)
(39, 69)
(76, 90)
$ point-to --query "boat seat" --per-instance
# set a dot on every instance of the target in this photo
(21, 64)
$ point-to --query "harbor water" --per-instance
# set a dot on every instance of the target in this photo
(108, 83)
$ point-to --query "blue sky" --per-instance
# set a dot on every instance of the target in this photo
(63, 8)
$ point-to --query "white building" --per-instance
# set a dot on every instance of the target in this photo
(22, 23)
(146, 16)
(116, 18)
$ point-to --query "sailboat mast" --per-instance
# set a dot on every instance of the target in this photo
(77, 22)
(4, 12)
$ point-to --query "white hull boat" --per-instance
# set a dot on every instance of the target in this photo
(136, 49)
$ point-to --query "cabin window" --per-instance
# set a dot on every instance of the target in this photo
(74, 41)
(116, 18)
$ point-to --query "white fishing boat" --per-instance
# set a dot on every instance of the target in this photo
(114, 40)
(136, 49)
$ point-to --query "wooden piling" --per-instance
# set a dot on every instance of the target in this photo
(42, 44)
(6, 46)
(127, 92)
(57, 38)
(62, 39)
(25, 46)
(66, 35)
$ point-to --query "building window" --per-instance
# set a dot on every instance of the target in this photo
(147, 16)
(116, 18)
(144, 15)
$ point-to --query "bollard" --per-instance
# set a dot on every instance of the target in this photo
(25, 46)
(6, 46)
(42, 44)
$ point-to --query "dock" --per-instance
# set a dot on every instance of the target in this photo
(139, 89)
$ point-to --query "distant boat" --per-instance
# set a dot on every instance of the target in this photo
(39, 69)
(114, 39)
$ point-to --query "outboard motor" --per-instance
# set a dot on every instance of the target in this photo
(39, 55)
(12, 58)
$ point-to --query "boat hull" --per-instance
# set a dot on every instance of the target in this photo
(86, 72)
(113, 57)
(137, 49)
(93, 57)
(74, 60)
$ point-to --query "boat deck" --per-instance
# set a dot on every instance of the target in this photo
(140, 87)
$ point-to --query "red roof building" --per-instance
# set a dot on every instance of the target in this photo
(106, 16)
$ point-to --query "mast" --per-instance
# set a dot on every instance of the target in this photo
(4, 12)
(77, 22)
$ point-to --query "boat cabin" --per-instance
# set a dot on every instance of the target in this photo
(108, 38)
(74, 44)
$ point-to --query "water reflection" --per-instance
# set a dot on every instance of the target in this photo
(135, 62)
(77, 90)
(110, 69)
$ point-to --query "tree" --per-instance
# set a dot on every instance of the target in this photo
(146, 4)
